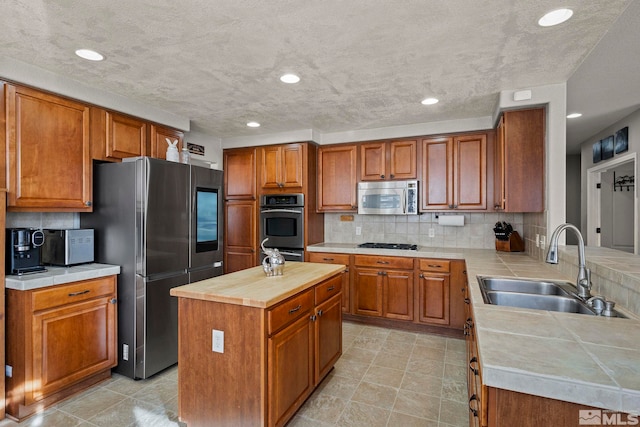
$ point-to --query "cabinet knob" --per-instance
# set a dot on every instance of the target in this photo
(312, 317)
(450, 206)
(392, 176)
(421, 276)
(382, 176)
(87, 203)
(113, 300)
(319, 313)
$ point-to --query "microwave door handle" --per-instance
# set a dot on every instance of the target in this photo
(280, 210)
(404, 201)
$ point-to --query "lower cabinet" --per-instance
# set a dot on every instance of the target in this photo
(60, 340)
(433, 291)
(383, 286)
(331, 258)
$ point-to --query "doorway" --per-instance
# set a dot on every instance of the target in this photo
(612, 205)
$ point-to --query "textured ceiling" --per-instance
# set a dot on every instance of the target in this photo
(364, 64)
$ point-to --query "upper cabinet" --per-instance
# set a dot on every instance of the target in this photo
(115, 136)
(49, 159)
(337, 178)
(158, 139)
(240, 174)
(282, 167)
(519, 161)
(388, 160)
(454, 173)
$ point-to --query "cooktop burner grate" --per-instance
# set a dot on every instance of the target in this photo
(404, 246)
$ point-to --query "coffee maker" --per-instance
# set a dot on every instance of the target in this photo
(23, 252)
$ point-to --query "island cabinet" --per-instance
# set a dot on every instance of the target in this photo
(519, 161)
(337, 178)
(454, 173)
(115, 136)
(388, 160)
(48, 152)
(282, 167)
(253, 348)
(60, 340)
(333, 258)
(383, 287)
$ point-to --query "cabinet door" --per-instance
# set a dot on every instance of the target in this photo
(271, 165)
(240, 235)
(337, 178)
(126, 136)
(328, 339)
(373, 161)
(292, 166)
(159, 136)
(402, 159)
(498, 171)
(398, 294)
(433, 298)
(49, 162)
(470, 166)
(331, 258)
(437, 174)
(240, 174)
(367, 289)
(70, 343)
(290, 369)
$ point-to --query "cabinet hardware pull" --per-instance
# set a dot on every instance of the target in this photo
(466, 300)
(293, 310)
(319, 313)
(382, 262)
(434, 266)
(474, 370)
(330, 288)
(346, 270)
(312, 317)
(75, 294)
(113, 300)
(327, 259)
(473, 398)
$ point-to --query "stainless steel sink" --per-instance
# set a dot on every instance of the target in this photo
(535, 294)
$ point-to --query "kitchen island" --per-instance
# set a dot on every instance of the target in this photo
(252, 348)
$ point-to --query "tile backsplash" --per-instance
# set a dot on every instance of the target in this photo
(477, 231)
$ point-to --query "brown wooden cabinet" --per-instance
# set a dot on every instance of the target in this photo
(158, 139)
(332, 258)
(60, 339)
(240, 174)
(282, 167)
(115, 136)
(433, 291)
(337, 178)
(388, 160)
(383, 287)
(454, 173)
(3, 198)
(49, 161)
(240, 245)
(519, 161)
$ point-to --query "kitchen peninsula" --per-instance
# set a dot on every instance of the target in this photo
(252, 348)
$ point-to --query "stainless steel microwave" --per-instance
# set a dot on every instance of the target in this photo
(388, 198)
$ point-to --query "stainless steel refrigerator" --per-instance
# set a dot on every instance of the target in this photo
(162, 223)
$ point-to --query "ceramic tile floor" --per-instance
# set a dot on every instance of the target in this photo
(385, 377)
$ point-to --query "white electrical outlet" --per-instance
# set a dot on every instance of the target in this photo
(217, 341)
(8, 371)
(432, 232)
(125, 352)
(537, 240)
(542, 241)
(358, 231)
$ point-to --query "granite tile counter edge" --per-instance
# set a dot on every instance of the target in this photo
(59, 276)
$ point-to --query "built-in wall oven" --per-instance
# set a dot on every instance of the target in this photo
(282, 222)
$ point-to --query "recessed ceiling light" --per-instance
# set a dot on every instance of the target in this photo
(289, 78)
(429, 101)
(253, 124)
(555, 17)
(89, 54)
(574, 115)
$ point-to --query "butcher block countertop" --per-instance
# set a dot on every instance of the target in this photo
(252, 288)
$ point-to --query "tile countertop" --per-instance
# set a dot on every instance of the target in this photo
(587, 360)
(59, 276)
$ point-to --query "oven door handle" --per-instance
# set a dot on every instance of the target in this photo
(291, 254)
(281, 211)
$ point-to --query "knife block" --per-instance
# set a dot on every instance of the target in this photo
(514, 244)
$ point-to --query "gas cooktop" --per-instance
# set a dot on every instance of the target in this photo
(404, 246)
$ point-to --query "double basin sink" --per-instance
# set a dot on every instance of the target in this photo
(535, 294)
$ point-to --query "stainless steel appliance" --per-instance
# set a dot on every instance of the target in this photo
(67, 247)
(23, 251)
(162, 223)
(282, 222)
(388, 198)
(400, 246)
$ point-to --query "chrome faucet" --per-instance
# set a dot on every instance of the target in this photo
(583, 281)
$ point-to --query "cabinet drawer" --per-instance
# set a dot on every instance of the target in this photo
(436, 265)
(289, 310)
(72, 293)
(328, 288)
(384, 262)
(329, 258)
